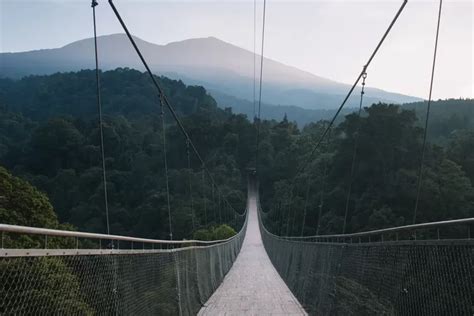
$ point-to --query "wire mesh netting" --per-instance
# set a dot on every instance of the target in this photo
(433, 277)
(129, 282)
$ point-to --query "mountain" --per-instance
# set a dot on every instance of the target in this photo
(219, 66)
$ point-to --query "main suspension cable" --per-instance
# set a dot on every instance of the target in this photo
(423, 148)
(260, 87)
(320, 140)
(101, 124)
(354, 154)
(162, 94)
(331, 123)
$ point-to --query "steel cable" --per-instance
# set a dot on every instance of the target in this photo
(260, 88)
(99, 109)
(204, 196)
(190, 186)
(423, 148)
(165, 162)
(161, 93)
(354, 154)
(323, 187)
(254, 52)
(331, 122)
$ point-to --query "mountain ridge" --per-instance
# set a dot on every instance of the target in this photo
(222, 66)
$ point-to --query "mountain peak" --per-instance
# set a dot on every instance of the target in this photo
(116, 38)
(210, 40)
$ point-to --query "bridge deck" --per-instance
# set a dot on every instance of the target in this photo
(252, 286)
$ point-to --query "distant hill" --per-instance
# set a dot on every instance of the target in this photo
(219, 66)
(277, 112)
(447, 117)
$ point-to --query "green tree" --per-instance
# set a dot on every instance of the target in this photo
(39, 284)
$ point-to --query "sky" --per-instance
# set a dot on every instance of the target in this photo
(331, 38)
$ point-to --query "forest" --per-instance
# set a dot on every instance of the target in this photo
(49, 137)
(384, 179)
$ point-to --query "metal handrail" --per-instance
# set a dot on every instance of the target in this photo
(7, 228)
(462, 221)
(76, 234)
(29, 252)
(412, 227)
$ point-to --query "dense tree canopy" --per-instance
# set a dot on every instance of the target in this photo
(50, 137)
(384, 180)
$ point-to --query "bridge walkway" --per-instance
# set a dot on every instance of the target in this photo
(252, 286)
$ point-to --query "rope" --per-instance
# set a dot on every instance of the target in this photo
(99, 109)
(354, 154)
(219, 207)
(280, 215)
(214, 202)
(423, 148)
(165, 162)
(323, 187)
(190, 186)
(204, 196)
(102, 152)
(305, 206)
(163, 98)
(260, 87)
(289, 211)
(235, 218)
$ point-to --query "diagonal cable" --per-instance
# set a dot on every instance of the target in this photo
(423, 148)
(163, 96)
(331, 123)
(260, 86)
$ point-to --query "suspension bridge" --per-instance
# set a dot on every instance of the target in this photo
(416, 269)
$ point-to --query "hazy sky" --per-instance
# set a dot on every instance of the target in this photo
(332, 39)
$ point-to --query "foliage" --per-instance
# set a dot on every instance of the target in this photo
(219, 232)
(56, 288)
(22, 204)
(50, 137)
(59, 151)
(383, 193)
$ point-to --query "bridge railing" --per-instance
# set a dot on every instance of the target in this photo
(424, 272)
(50, 239)
(424, 231)
(67, 272)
